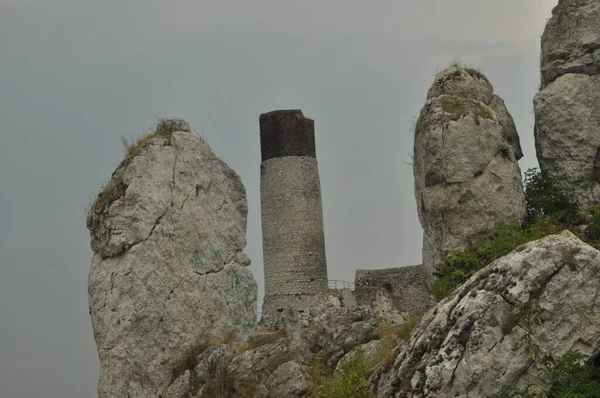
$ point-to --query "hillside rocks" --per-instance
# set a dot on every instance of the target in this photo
(168, 270)
(277, 363)
(478, 342)
(567, 108)
(465, 164)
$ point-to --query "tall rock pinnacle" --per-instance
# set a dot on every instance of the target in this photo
(567, 108)
(465, 164)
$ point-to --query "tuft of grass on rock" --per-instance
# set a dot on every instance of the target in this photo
(115, 188)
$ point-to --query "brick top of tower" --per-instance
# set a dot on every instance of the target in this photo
(286, 133)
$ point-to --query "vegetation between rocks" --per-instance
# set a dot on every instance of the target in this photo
(549, 211)
(570, 376)
(351, 383)
(391, 335)
(354, 372)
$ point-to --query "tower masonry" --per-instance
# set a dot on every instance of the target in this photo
(291, 214)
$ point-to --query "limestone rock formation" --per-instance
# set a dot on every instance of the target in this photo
(465, 164)
(168, 270)
(478, 341)
(567, 108)
(277, 362)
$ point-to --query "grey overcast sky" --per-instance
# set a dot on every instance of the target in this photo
(77, 74)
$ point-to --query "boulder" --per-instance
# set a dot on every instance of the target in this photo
(539, 301)
(289, 380)
(467, 177)
(567, 108)
(168, 271)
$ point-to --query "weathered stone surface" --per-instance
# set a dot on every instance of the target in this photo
(477, 341)
(406, 285)
(212, 363)
(252, 368)
(567, 109)
(462, 82)
(289, 380)
(276, 363)
(566, 134)
(168, 270)
(509, 129)
(371, 352)
(465, 164)
(571, 40)
(180, 388)
(291, 215)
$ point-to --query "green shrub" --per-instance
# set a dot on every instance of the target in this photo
(549, 211)
(546, 198)
(570, 377)
(461, 265)
(351, 383)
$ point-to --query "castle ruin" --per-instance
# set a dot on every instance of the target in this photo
(295, 265)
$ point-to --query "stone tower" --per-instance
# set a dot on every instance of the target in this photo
(291, 213)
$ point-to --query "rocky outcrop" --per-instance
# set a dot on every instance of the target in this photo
(370, 351)
(277, 363)
(541, 298)
(567, 108)
(465, 164)
(168, 271)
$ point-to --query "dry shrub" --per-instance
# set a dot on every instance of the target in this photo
(391, 335)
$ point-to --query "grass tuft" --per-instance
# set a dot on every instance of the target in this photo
(115, 188)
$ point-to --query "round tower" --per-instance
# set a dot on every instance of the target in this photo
(291, 213)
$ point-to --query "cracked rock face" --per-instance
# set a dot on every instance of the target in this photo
(278, 363)
(168, 270)
(467, 177)
(567, 108)
(476, 343)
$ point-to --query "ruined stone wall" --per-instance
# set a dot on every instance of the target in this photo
(406, 285)
(292, 215)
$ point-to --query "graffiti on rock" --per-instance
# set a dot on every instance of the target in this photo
(240, 296)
